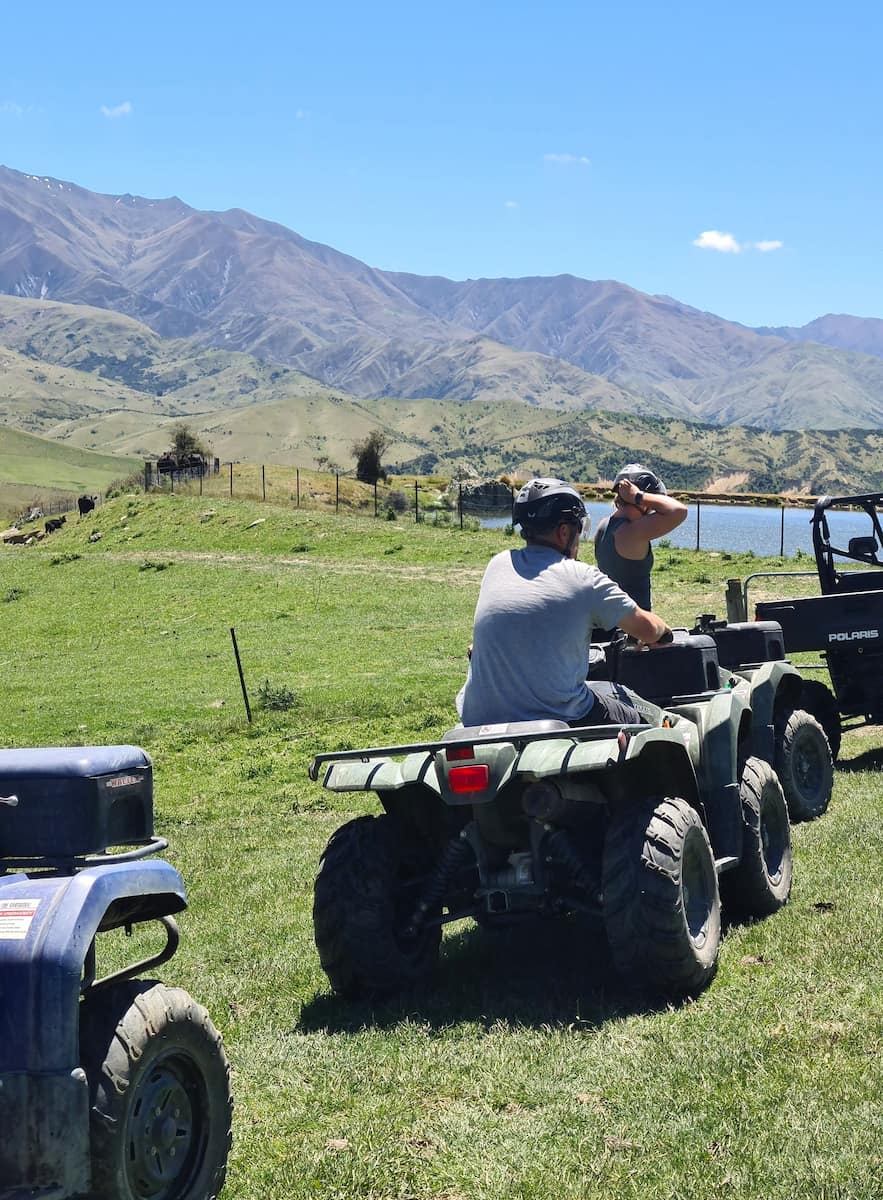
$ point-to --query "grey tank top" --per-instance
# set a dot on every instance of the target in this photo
(632, 575)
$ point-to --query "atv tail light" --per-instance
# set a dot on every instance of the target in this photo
(468, 779)
(458, 753)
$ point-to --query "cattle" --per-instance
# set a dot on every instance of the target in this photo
(55, 523)
(85, 504)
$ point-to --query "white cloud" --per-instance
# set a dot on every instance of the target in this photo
(511, 204)
(568, 160)
(9, 108)
(713, 239)
(766, 247)
(117, 110)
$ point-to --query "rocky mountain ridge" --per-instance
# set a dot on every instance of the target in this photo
(235, 281)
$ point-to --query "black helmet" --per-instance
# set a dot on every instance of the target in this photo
(642, 477)
(542, 503)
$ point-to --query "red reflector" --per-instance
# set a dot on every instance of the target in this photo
(458, 753)
(468, 779)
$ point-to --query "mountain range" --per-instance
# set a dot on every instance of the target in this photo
(232, 282)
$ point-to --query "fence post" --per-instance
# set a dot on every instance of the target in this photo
(297, 474)
(148, 471)
(375, 497)
(698, 507)
(416, 502)
(201, 473)
(264, 480)
(736, 609)
(782, 538)
(337, 491)
(172, 482)
(231, 481)
(460, 503)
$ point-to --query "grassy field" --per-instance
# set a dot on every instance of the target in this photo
(525, 1069)
(36, 469)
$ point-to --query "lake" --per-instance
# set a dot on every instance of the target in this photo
(742, 527)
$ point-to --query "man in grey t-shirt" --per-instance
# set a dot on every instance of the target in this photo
(534, 618)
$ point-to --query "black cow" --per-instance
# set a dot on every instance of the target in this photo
(85, 504)
(55, 523)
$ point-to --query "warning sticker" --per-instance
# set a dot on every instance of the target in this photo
(15, 919)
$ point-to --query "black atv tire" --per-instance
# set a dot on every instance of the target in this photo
(661, 903)
(761, 883)
(159, 1094)
(803, 763)
(821, 702)
(360, 909)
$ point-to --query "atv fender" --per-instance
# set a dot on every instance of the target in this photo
(719, 721)
(43, 950)
(771, 685)
(48, 926)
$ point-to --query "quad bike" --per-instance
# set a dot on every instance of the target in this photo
(647, 826)
(844, 623)
(112, 1087)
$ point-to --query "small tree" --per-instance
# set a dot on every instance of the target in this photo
(367, 454)
(186, 442)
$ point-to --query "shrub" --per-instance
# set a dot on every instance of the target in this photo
(275, 697)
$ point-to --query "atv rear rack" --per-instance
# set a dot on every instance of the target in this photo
(578, 733)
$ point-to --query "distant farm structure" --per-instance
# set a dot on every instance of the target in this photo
(179, 468)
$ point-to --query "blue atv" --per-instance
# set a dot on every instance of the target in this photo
(113, 1087)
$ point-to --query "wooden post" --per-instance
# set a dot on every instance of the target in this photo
(375, 497)
(735, 601)
(782, 538)
(231, 481)
(264, 480)
(698, 507)
(297, 473)
(416, 502)
(337, 491)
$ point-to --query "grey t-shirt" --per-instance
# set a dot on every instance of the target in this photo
(530, 643)
(632, 574)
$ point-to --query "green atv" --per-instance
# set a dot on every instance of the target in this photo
(648, 826)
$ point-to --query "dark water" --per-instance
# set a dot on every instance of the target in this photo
(740, 527)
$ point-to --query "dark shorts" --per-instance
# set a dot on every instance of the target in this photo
(613, 706)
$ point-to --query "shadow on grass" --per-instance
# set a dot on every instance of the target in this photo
(546, 973)
(868, 760)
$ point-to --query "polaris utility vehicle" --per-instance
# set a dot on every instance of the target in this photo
(647, 826)
(844, 622)
(112, 1087)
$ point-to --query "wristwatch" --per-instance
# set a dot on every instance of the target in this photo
(639, 498)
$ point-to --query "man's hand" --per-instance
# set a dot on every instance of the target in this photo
(629, 492)
(646, 627)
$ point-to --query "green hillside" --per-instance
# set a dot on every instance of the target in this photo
(34, 468)
(103, 382)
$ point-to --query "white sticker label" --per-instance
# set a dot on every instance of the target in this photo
(15, 919)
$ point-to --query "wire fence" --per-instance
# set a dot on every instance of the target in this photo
(416, 498)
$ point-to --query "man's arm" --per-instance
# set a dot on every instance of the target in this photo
(661, 514)
(644, 626)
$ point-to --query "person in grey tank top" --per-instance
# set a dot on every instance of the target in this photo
(642, 511)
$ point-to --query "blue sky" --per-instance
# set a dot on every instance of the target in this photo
(489, 139)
